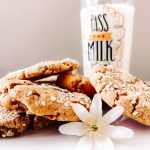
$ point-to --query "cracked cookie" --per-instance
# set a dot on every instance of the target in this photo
(44, 100)
(119, 88)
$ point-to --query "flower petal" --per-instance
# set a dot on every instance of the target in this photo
(119, 132)
(105, 142)
(113, 114)
(85, 143)
(72, 128)
(96, 106)
(82, 112)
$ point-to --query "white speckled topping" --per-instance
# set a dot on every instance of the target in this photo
(117, 88)
(6, 115)
(112, 79)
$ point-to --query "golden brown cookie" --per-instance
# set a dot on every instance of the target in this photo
(12, 123)
(44, 69)
(119, 88)
(44, 100)
(75, 83)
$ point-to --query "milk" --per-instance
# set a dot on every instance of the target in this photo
(107, 35)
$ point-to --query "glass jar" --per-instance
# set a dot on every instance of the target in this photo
(107, 27)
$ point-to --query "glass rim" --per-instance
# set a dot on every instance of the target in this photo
(85, 3)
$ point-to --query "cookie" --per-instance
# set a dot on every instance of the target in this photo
(119, 88)
(44, 100)
(12, 123)
(44, 69)
(75, 83)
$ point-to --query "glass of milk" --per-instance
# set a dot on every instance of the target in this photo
(107, 27)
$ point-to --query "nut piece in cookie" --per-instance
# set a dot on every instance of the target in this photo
(75, 83)
(119, 88)
(44, 69)
(44, 100)
(40, 122)
(12, 123)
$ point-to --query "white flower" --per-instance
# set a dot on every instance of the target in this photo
(95, 128)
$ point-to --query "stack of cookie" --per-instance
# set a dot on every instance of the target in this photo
(34, 97)
(43, 93)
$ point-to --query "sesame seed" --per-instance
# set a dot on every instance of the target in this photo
(71, 104)
(24, 125)
(3, 135)
(67, 103)
(116, 102)
(123, 85)
(107, 95)
(60, 101)
(97, 74)
(86, 99)
(115, 86)
(134, 113)
(29, 93)
(70, 94)
(43, 103)
(87, 105)
(52, 98)
(67, 98)
(133, 102)
(111, 89)
(82, 102)
(103, 83)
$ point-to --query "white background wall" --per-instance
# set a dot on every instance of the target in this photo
(37, 30)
